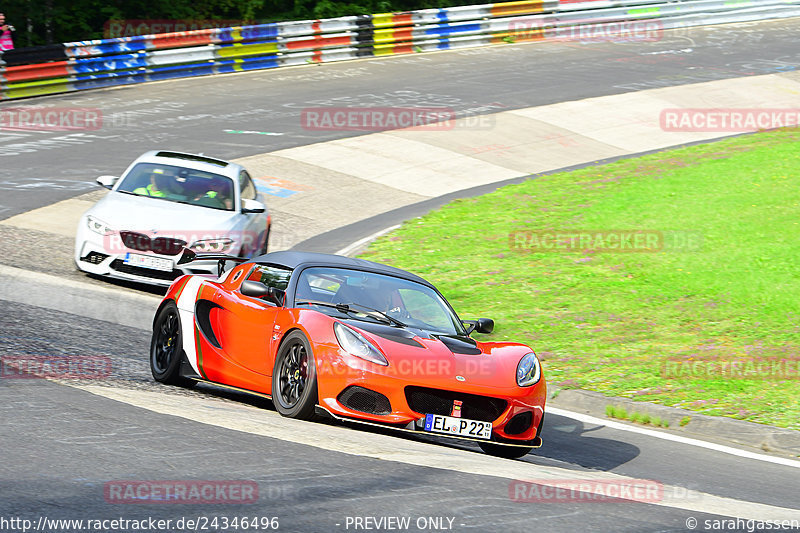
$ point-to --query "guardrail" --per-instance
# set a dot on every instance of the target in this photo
(42, 70)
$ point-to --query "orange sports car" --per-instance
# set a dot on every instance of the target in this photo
(357, 340)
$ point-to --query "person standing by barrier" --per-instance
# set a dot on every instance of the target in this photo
(6, 43)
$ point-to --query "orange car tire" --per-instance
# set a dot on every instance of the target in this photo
(294, 378)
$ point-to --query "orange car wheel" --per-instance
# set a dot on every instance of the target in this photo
(294, 378)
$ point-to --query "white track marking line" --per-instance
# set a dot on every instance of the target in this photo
(674, 438)
(348, 249)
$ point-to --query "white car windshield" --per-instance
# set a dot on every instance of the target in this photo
(179, 184)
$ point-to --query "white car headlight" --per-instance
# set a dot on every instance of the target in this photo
(217, 246)
(98, 226)
(354, 343)
(529, 371)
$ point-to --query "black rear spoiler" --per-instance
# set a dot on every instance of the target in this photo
(188, 256)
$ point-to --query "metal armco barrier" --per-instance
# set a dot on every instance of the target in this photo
(42, 70)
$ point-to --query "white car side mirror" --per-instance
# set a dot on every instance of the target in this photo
(252, 206)
(107, 181)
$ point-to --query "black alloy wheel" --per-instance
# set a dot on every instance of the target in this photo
(294, 378)
(166, 346)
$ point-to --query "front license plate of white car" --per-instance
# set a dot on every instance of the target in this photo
(149, 261)
(458, 426)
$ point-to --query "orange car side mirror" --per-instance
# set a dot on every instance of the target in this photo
(256, 289)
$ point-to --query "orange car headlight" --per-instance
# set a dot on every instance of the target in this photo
(529, 371)
(356, 344)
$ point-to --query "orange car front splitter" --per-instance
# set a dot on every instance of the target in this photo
(535, 443)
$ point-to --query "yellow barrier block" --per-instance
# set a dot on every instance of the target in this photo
(239, 50)
(37, 83)
(383, 20)
(383, 49)
(517, 8)
(24, 90)
(387, 20)
(393, 49)
(393, 35)
(383, 36)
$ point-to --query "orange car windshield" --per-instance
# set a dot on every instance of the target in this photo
(403, 301)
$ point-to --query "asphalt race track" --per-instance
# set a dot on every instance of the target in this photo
(199, 114)
(64, 442)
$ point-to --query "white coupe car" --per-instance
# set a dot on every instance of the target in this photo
(166, 201)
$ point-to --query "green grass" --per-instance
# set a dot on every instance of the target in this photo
(608, 321)
(658, 421)
(616, 412)
(613, 411)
